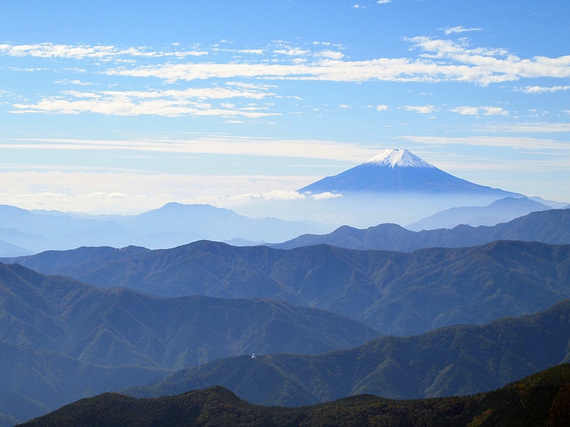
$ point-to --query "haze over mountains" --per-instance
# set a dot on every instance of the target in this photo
(502, 210)
(396, 185)
(107, 309)
(23, 232)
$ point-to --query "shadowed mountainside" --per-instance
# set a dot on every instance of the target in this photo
(61, 340)
(457, 360)
(119, 327)
(396, 293)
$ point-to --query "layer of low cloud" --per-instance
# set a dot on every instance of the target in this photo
(131, 192)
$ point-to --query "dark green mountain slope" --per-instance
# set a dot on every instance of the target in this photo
(397, 293)
(457, 360)
(119, 327)
(541, 399)
(551, 226)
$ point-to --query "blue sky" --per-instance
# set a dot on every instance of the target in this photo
(123, 106)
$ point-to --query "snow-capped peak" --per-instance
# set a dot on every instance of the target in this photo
(398, 157)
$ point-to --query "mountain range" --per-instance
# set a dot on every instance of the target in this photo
(23, 232)
(540, 399)
(548, 226)
(396, 293)
(61, 340)
(115, 327)
(395, 186)
(154, 305)
(502, 210)
(457, 360)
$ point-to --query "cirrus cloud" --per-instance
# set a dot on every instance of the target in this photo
(438, 60)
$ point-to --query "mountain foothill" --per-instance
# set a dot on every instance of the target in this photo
(461, 318)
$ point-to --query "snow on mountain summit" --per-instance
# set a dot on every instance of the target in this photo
(398, 157)
(399, 171)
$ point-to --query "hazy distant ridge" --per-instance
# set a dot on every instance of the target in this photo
(23, 232)
(549, 226)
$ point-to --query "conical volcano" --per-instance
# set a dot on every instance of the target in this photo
(398, 171)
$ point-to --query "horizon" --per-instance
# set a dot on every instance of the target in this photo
(113, 109)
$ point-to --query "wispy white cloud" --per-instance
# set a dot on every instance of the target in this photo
(210, 144)
(170, 103)
(476, 111)
(536, 127)
(325, 196)
(441, 60)
(466, 110)
(493, 111)
(51, 50)
(128, 107)
(543, 89)
(252, 51)
(383, 1)
(293, 51)
(491, 65)
(459, 29)
(73, 82)
(438, 60)
(513, 142)
(421, 109)
(330, 54)
(381, 107)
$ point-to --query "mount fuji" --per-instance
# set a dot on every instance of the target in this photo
(399, 171)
